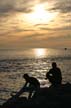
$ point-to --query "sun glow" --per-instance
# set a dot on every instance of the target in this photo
(40, 15)
(40, 52)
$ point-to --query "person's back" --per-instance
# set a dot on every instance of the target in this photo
(54, 75)
(33, 81)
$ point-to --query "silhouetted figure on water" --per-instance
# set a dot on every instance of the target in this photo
(32, 86)
(54, 75)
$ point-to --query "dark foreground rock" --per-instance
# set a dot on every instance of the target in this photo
(52, 97)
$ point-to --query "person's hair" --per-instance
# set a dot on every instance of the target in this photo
(54, 64)
(25, 76)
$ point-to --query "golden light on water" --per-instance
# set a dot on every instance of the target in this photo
(40, 52)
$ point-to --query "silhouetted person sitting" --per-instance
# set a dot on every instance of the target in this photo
(32, 85)
(54, 75)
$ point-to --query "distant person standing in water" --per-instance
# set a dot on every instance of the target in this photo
(54, 75)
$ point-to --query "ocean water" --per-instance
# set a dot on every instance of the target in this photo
(35, 62)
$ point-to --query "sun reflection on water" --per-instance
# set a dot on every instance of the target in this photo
(40, 52)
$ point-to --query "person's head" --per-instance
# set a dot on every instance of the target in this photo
(54, 65)
(26, 76)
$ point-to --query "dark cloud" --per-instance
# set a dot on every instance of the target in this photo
(41, 25)
(8, 6)
(63, 6)
(46, 1)
(25, 6)
(56, 28)
(25, 10)
(17, 29)
(67, 37)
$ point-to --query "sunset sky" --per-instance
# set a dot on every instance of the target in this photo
(35, 23)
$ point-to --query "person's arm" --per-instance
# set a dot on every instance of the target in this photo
(21, 90)
(60, 74)
(49, 74)
(25, 84)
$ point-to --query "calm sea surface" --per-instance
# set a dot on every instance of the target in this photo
(35, 62)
